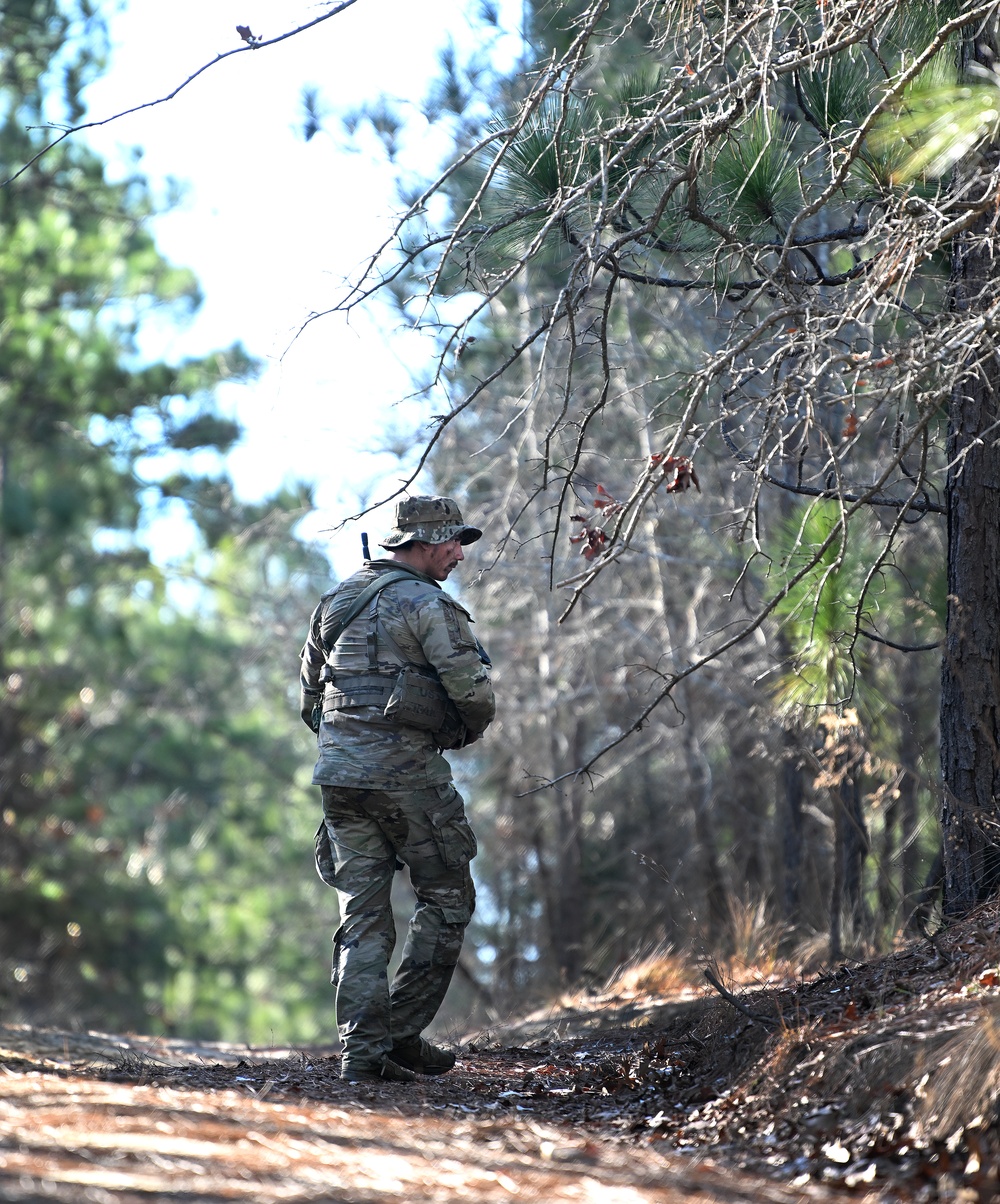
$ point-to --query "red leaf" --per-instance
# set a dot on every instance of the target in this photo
(605, 501)
(678, 473)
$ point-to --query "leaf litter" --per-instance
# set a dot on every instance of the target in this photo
(875, 1080)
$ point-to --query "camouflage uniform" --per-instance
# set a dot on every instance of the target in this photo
(387, 791)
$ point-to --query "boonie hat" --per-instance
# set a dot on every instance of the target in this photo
(431, 520)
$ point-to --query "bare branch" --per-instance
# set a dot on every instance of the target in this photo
(250, 43)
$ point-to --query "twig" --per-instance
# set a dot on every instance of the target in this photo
(729, 997)
(880, 639)
(256, 44)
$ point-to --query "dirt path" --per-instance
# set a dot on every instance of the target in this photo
(85, 1140)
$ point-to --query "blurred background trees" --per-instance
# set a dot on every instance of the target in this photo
(150, 769)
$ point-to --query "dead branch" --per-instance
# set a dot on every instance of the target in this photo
(740, 1006)
(250, 43)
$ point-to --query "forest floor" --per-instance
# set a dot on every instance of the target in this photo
(877, 1081)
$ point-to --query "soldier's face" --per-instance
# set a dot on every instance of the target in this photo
(442, 558)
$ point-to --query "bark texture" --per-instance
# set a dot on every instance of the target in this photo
(970, 682)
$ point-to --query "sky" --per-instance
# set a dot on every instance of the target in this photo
(272, 225)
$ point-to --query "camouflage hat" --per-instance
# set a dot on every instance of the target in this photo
(429, 520)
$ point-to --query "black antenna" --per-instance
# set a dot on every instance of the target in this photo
(364, 546)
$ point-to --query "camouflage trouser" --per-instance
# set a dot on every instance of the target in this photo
(362, 835)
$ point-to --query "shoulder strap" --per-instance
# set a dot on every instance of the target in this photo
(362, 600)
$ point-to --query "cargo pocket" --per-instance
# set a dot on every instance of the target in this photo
(453, 835)
(325, 865)
(335, 962)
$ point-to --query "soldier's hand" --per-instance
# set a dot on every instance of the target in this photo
(311, 709)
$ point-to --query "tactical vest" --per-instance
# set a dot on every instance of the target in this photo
(406, 692)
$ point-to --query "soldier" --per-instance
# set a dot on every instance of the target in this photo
(391, 676)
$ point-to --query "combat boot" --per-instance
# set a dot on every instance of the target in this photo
(382, 1071)
(421, 1056)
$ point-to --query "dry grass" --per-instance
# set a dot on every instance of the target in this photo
(665, 972)
(756, 960)
(965, 1090)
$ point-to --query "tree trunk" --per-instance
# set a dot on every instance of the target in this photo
(856, 846)
(851, 843)
(970, 737)
(716, 915)
(837, 885)
(790, 811)
(886, 890)
(971, 667)
(910, 754)
(571, 904)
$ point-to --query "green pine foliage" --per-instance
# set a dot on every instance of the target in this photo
(753, 179)
(155, 814)
(821, 611)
